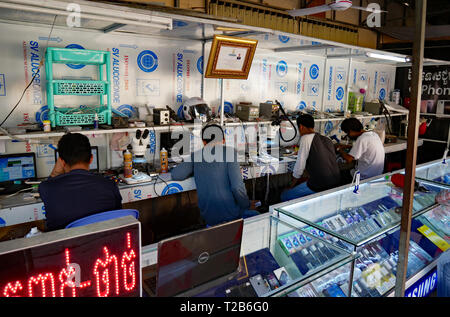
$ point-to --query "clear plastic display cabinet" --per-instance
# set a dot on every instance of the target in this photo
(367, 222)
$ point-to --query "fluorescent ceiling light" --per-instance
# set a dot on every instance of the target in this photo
(229, 29)
(114, 16)
(388, 57)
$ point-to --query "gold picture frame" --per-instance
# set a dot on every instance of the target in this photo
(230, 57)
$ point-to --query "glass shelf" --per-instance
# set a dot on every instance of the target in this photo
(438, 172)
(438, 219)
(277, 258)
(357, 218)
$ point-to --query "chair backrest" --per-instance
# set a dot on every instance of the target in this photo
(102, 216)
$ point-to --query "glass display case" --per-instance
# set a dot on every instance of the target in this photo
(437, 171)
(367, 221)
(276, 260)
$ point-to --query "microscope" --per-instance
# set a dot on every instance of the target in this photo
(139, 145)
(141, 169)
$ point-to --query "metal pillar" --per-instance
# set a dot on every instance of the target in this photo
(222, 100)
(411, 150)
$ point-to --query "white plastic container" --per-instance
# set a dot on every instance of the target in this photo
(33, 232)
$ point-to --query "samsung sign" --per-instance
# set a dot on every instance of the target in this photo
(423, 287)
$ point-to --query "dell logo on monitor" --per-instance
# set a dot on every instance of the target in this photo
(203, 258)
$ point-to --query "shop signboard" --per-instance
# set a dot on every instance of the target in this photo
(96, 260)
(424, 286)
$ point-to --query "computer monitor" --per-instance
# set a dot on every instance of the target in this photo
(187, 261)
(94, 167)
(17, 167)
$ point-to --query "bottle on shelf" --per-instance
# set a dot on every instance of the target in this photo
(127, 164)
(163, 156)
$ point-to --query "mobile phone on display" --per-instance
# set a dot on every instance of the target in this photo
(260, 285)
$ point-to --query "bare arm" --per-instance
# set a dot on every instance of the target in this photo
(58, 169)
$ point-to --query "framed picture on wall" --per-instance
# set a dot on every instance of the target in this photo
(230, 57)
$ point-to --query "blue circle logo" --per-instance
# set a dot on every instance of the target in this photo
(283, 38)
(42, 114)
(282, 68)
(75, 66)
(228, 107)
(301, 105)
(147, 61)
(178, 24)
(172, 189)
(382, 94)
(200, 64)
(268, 170)
(314, 71)
(328, 127)
(180, 113)
(127, 110)
(339, 93)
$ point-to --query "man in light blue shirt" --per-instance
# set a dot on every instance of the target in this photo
(221, 192)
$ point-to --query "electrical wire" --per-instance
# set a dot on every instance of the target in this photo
(18, 192)
(279, 122)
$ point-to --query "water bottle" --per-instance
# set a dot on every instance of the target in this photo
(96, 121)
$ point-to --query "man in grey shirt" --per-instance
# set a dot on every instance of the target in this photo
(221, 192)
(316, 156)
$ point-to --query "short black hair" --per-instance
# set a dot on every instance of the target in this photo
(351, 124)
(211, 132)
(306, 120)
(74, 148)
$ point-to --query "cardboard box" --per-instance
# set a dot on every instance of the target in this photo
(197, 5)
(220, 8)
(213, 8)
(367, 38)
(284, 4)
(167, 3)
(227, 11)
(261, 19)
(296, 27)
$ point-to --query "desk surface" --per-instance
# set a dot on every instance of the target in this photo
(400, 145)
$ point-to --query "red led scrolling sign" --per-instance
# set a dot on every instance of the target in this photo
(104, 263)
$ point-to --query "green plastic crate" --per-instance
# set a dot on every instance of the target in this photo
(79, 87)
(101, 87)
(66, 116)
(77, 56)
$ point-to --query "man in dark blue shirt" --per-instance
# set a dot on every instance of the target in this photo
(221, 192)
(72, 192)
